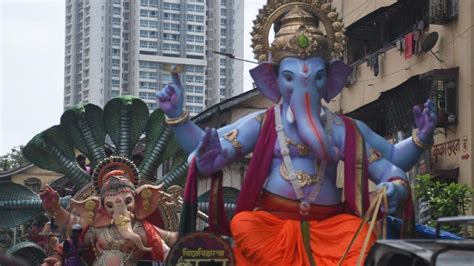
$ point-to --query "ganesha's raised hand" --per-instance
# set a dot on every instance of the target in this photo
(49, 198)
(170, 98)
(210, 157)
(426, 121)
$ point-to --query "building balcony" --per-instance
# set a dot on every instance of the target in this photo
(365, 85)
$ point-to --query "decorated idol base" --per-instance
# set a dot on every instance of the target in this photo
(201, 248)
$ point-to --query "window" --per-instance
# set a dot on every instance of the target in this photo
(148, 85)
(150, 3)
(148, 13)
(171, 37)
(194, 99)
(171, 26)
(116, 21)
(115, 73)
(149, 65)
(147, 95)
(171, 47)
(379, 30)
(171, 16)
(198, 89)
(115, 83)
(166, 77)
(148, 23)
(171, 6)
(115, 62)
(195, 18)
(194, 28)
(443, 11)
(195, 8)
(148, 44)
(116, 11)
(442, 85)
(148, 75)
(148, 34)
(194, 49)
(195, 38)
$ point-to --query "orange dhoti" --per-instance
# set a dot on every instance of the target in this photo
(262, 238)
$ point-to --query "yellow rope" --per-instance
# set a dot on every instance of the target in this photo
(373, 209)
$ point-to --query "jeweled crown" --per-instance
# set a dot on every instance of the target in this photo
(299, 33)
(299, 36)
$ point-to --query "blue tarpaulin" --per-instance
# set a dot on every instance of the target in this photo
(423, 231)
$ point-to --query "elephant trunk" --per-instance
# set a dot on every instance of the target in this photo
(124, 225)
(307, 109)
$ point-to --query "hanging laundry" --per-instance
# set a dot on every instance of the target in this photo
(353, 77)
(401, 45)
(409, 45)
(421, 29)
(373, 63)
(416, 40)
(376, 64)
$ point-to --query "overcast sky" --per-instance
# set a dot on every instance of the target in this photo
(32, 66)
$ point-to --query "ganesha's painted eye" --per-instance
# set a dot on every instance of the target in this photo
(128, 200)
(109, 205)
(320, 75)
(287, 75)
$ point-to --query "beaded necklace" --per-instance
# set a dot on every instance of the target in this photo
(292, 176)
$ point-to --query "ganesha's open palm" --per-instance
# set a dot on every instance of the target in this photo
(210, 157)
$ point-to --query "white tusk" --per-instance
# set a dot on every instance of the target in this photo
(290, 116)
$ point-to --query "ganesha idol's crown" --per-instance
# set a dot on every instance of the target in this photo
(299, 34)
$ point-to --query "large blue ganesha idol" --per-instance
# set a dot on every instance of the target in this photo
(290, 211)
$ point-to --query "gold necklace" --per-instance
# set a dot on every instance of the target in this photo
(303, 149)
(303, 179)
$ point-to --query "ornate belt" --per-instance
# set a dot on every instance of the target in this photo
(284, 208)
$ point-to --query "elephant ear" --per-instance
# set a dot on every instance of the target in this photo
(89, 210)
(147, 200)
(266, 81)
(337, 76)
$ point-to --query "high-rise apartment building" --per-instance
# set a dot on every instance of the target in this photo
(125, 47)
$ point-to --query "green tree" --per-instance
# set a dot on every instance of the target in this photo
(445, 199)
(13, 160)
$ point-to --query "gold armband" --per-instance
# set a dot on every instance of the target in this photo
(417, 141)
(232, 138)
(178, 120)
(401, 181)
(374, 156)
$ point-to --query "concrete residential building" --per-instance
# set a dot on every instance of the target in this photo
(390, 77)
(126, 47)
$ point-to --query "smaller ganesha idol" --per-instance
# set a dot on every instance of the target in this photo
(112, 218)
